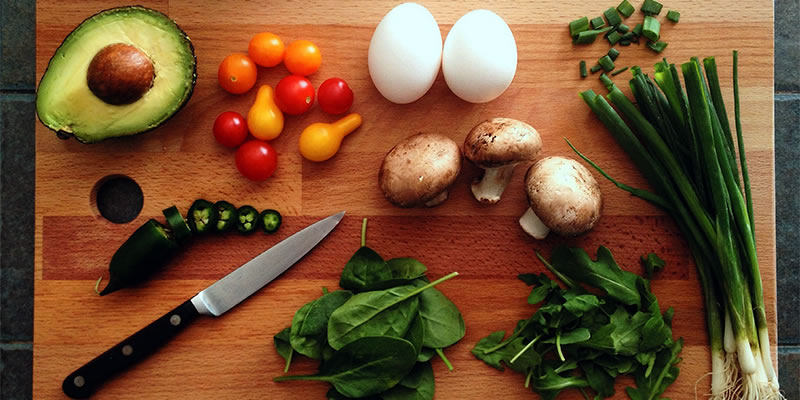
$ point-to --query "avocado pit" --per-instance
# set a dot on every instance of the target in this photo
(120, 74)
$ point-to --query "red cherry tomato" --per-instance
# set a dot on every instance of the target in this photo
(335, 97)
(294, 94)
(256, 160)
(230, 129)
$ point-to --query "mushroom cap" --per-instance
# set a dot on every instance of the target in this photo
(502, 141)
(419, 168)
(564, 195)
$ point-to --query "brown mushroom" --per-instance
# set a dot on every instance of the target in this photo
(564, 197)
(419, 170)
(497, 146)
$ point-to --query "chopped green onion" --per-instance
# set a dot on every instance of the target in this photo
(606, 80)
(612, 16)
(637, 30)
(595, 68)
(622, 28)
(578, 26)
(614, 37)
(625, 8)
(584, 73)
(606, 62)
(613, 53)
(597, 22)
(628, 36)
(651, 7)
(619, 71)
(673, 15)
(586, 37)
(624, 42)
(651, 28)
(658, 47)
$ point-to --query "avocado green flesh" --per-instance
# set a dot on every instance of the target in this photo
(64, 102)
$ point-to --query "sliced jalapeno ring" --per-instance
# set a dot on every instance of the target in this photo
(202, 216)
(247, 219)
(226, 216)
(177, 224)
(270, 220)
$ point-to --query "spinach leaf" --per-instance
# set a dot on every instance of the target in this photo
(365, 366)
(309, 331)
(406, 269)
(364, 269)
(603, 274)
(379, 313)
(283, 346)
(416, 334)
(419, 384)
(443, 322)
(426, 354)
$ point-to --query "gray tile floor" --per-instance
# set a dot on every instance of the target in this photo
(17, 119)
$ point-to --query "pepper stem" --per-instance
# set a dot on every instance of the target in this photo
(364, 232)
(97, 285)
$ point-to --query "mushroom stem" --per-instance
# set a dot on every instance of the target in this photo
(532, 225)
(439, 199)
(490, 187)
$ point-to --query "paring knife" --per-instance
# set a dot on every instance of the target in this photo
(214, 300)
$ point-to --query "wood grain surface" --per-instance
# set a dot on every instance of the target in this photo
(232, 356)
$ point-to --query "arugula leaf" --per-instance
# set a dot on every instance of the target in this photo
(543, 286)
(550, 384)
(309, 331)
(575, 336)
(483, 350)
(599, 380)
(283, 347)
(651, 263)
(578, 303)
(603, 274)
(664, 373)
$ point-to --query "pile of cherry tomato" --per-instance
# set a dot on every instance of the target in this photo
(293, 95)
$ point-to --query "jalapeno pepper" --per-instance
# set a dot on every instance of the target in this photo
(202, 216)
(146, 250)
(226, 216)
(270, 220)
(247, 220)
(177, 224)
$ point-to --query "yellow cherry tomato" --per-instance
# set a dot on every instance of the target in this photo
(321, 141)
(265, 119)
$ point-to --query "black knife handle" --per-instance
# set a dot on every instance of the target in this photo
(86, 379)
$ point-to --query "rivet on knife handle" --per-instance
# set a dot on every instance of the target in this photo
(85, 380)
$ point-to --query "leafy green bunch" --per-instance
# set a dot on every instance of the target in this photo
(578, 339)
(375, 337)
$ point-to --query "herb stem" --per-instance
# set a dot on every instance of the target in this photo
(567, 281)
(444, 359)
(524, 349)
(288, 361)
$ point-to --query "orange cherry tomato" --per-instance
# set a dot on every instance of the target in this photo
(237, 73)
(266, 49)
(302, 57)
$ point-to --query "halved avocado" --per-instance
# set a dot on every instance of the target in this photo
(121, 72)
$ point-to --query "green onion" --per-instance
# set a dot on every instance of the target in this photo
(651, 7)
(584, 74)
(578, 26)
(612, 16)
(597, 22)
(587, 37)
(625, 8)
(613, 53)
(673, 15)
(595, 68)
(629, 36)
(651, 28)
(619, 71)
(614, 37)
(606, 80)
(606, 62)
(624, 42)
(622, 28)
(658, 47)
(637, 30)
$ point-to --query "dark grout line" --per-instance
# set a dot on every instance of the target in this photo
(19, 91)
(16, 346)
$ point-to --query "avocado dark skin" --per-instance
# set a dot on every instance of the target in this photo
(115, 91)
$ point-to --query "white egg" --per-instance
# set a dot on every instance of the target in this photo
(480, 57)
(405, 53)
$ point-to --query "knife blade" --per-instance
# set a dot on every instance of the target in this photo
(214, 301)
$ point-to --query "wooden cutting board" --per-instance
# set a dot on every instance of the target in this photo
(233, 356)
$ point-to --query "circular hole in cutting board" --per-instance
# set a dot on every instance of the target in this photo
(118, 198)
